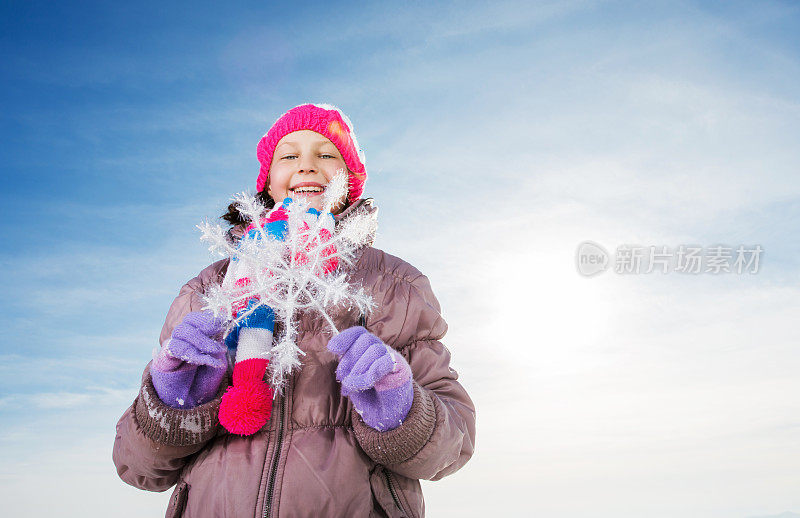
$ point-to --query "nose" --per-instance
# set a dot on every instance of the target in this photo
(306, 164)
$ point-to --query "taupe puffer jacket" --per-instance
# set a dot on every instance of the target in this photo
(315, 457)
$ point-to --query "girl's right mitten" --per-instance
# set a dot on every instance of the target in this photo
(189, 368)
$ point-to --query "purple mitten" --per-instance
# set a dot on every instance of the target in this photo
(375, 377)
(189, 368)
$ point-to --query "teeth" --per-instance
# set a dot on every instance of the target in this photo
(308, 189)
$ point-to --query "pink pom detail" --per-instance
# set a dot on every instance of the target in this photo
(247, 405)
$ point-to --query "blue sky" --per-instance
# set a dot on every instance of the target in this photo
(510, 132)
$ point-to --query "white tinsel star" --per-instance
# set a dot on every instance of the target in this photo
(290, 276)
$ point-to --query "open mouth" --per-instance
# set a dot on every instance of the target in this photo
(307, 189)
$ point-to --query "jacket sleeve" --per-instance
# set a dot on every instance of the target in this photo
(154, 441)
(438, 436)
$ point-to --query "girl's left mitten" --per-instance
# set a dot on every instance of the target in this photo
(189, 368)
(375, 377)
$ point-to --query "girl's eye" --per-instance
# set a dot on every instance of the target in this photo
(328, 155)
(290, 156)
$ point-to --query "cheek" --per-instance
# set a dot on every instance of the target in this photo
(333, 168)
(278, 179)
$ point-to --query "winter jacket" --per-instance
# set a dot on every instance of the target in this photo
(315, 457)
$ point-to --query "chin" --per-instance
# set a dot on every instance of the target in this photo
(316, 202)
(313, 201)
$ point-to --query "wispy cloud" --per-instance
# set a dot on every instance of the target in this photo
(93, 396)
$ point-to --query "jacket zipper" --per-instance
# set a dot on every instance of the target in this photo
(275, 459)
(392, 491)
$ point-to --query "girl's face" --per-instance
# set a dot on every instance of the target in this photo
(302, 165)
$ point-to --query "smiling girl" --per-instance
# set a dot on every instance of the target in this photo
(371, 411)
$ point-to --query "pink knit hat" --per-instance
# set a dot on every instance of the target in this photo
(327, 120)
